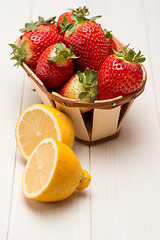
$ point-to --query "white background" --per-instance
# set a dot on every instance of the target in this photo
(123, 201)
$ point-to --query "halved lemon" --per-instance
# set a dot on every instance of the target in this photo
(53, 172)
(38, 122)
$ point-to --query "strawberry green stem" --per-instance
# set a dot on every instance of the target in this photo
(107, 33)
(80, 11)
(32, 26)
(90, 83)
(19, 53)
(130, 55)
(62, 53)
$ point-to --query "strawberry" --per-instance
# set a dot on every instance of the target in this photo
(67, 16)
(55, 65)
(88, 41)
(37, 37)
(82, 87)
(111, 43)
(120, 74)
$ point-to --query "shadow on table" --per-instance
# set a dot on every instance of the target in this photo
(75, 199)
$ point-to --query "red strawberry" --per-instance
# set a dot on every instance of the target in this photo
(82, 87)
(88, 41)
(55, 65)
(37, 37)
(111, 43)
(120, 75)
(67, 16)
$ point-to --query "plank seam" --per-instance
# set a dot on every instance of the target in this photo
(90, 194)
(15, 160)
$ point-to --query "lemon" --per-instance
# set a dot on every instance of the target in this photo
(53, 172)
(38, 122)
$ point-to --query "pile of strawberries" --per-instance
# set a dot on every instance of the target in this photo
(77, 58)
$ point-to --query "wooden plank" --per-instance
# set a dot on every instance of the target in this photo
(69, 219)
(11, 85)
(152, 19)
(125, 172)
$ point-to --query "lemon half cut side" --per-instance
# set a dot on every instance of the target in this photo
(53, 172)
(38, 122)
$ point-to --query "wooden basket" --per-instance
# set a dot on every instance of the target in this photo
(106, 117)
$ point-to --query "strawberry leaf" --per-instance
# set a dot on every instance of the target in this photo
(40, 19)
(32, 26)
(80, 76)
(90, 83)
(88, 97)
(92, 96)
(19, 53)
(29, 27)
(74, 17)
(82, 95)
(72, 29)
(62, 53)
(52, 59)
(130, 55)
(140, 60)
(65, 20)
(64, 24)
(107, 33)
(87, 79)
(93, 19)
(80, 11)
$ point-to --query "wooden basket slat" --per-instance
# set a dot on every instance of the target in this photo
(77, 120)
(124, 110)
(104, 123)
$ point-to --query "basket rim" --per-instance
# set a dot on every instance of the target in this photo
(98, 104)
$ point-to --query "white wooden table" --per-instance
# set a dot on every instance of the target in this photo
(123, 201)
